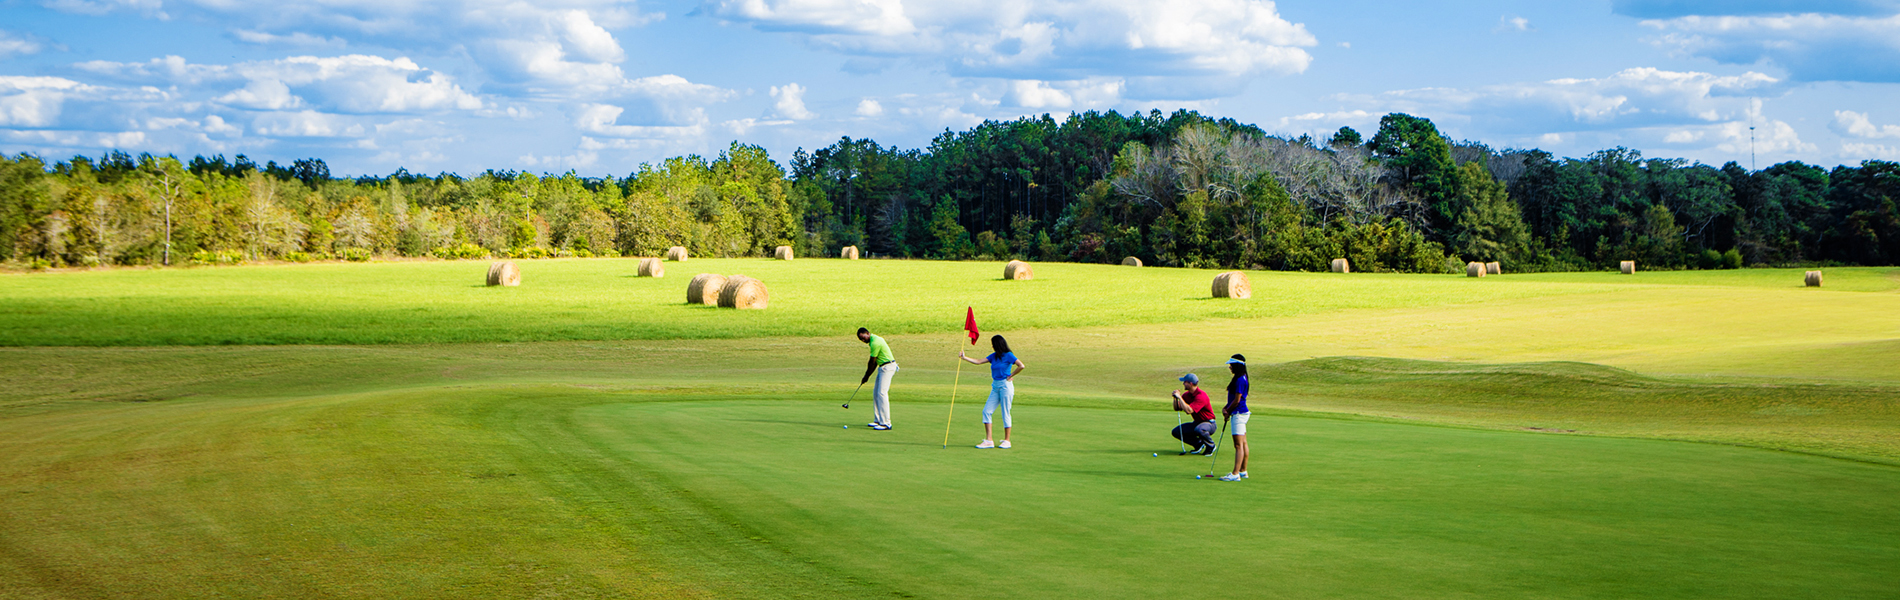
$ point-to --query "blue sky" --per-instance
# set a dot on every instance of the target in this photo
(598, 86)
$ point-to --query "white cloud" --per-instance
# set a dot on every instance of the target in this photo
(296, 39)
(1640, 97)
(1511, 23)
(866, 17)
(75, 139)
(152, 8)
(1853, 124)
(1063, 95)
(789, 101)
(869, 108)
(603, 120)
(35, 101)
(12, 45)
(1048, 40)
(1811, 46)
(1344, 118)
(1865, 151)
(308, 123)
(262, 94)
(354, 83)
(1771, 137)
(359, 83)
(562, 48)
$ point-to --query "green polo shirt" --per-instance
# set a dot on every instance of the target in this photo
(881, 350)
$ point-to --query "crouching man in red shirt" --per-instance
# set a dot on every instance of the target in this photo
(1191, 399)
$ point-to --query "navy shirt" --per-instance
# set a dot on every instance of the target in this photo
(1237, 395)
(1000, 364)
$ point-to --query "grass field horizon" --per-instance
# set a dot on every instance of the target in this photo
(246, 432)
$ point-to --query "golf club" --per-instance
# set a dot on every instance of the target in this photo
(854, 395)
(1178, 432)
(1215, 455)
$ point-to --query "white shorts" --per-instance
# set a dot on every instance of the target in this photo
(1238, 423)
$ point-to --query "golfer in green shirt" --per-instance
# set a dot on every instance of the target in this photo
(885, 366)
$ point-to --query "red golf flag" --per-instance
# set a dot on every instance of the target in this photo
(969, 324)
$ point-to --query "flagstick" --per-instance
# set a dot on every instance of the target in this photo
(953, 404)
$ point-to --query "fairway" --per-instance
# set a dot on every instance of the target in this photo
(1591, 435)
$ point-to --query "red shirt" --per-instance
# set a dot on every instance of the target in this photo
(1203, 410)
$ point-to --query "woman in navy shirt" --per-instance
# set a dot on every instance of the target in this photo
(1236, 411)
(1003, 369)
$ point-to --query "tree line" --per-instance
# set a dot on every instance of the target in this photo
(1178, 189)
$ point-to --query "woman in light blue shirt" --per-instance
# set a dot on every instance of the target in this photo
(1003, 369)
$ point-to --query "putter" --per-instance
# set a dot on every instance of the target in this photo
(854, 395)
(1215, 455)
(1177, 429)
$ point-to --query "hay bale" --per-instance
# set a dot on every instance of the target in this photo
(1474, 269)
(743, 292)
(704, 289)
(504, 273)
(652, 267)
(1814, 279)
(1017, 269)
(1629, 267)
(676, 254)
(848, 253)
(1131, 262)
(782, 253)
(1492, 268)
(1232, 284)
(1341, 265)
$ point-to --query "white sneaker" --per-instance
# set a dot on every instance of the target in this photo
(1230, 477)
(1243, 474)
(986, 444)
(1003, 444)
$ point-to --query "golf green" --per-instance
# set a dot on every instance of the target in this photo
(1335, 508)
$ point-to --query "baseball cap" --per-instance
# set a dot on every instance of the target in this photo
(1191, 378)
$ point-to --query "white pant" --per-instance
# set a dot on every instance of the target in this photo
(1002, 391)
(1237, 423)
(881, 395)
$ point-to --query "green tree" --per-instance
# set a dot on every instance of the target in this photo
(1488, 226)
(952, 241)
(1346, 137)
(1413, 147)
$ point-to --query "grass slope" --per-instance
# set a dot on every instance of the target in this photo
(600, 299)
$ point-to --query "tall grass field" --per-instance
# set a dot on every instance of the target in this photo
(400, 430)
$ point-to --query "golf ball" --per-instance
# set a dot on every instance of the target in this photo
(1157, 454)
(847, 427)
(1197, 476)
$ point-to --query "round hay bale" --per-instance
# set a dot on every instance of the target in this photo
(1341, 265)
(1814, 278)
(1628, 267)
(782, 253)
(743, 292)
(1492, 268)
(1474, 269)
(652, 267)
(504, 273)
(1017, 269)
(1232, 284)
(676, 254)
(848, 253)
(1131, 262)
(704, 289)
